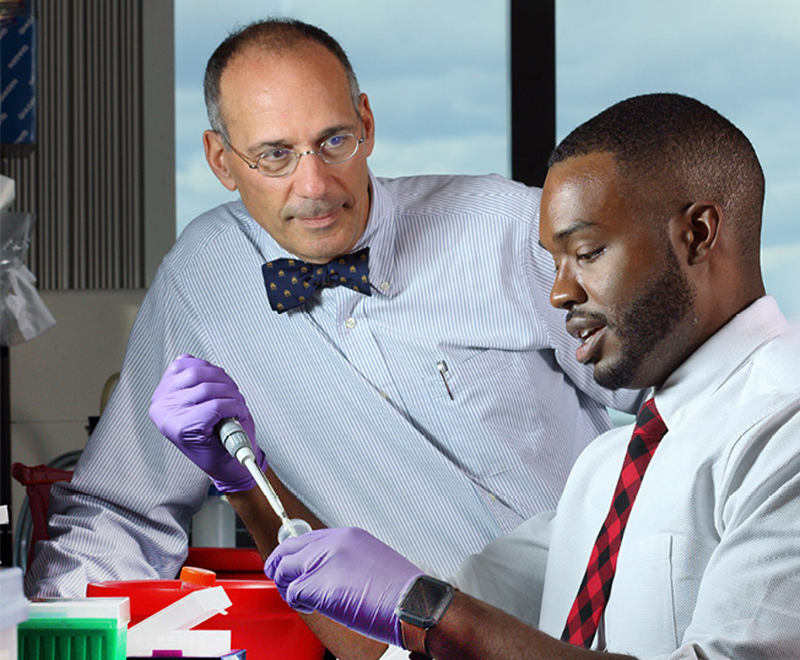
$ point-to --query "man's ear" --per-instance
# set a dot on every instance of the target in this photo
(702, 222)
(216, 157)
(368, 121)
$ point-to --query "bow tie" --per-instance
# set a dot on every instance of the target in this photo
(291, 282)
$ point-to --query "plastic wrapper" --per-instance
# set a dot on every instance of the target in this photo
(23, 315)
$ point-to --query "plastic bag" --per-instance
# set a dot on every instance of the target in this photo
(23, 315)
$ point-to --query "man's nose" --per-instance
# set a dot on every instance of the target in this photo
(567, 290)
(312, 175)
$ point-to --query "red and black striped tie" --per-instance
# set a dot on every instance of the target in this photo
(584, 617)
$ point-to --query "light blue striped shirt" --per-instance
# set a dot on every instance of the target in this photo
(349, 404)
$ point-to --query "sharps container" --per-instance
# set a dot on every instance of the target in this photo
(260, 621)
(13, 611)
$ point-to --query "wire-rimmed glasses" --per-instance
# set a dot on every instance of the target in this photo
(283, 161)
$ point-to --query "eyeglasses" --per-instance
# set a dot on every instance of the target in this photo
(282, 162)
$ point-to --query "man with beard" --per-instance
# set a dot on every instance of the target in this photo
(651, 211)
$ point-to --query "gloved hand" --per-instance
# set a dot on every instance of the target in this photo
(191, 399)
(347, 575)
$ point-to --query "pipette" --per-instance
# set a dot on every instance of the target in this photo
(237, 443)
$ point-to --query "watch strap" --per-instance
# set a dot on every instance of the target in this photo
(415, 639)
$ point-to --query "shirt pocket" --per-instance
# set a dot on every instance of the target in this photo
(641, 610)
(464, 369)
(476, 426)
(513, 417)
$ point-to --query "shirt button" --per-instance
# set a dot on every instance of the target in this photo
(385, 286)
(493, 497)
(350, 323)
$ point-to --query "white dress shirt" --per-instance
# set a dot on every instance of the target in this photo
(709, 565)
(349, 404)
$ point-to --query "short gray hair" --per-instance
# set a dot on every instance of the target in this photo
(275, 35)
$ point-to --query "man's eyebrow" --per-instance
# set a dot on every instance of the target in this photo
(575, 227)
(565, 233)
(261, 147)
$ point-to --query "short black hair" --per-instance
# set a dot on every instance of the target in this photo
(274, 35)
(684, 151)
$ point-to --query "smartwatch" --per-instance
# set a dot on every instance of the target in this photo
(422, 607)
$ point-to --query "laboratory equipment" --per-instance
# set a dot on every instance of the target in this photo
(214, 525)
(75, 628)
(260, 621)
(170, 629)
(237, 443)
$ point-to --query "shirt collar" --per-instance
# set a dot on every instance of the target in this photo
(716, 360)
(379, 236)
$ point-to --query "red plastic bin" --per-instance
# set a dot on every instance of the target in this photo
(260, 621)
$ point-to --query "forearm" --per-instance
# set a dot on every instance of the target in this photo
(472, 629)
(345, 644)
(263, 525)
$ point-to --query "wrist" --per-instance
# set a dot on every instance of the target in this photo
(237, 479)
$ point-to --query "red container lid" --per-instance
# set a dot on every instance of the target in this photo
(229, 563)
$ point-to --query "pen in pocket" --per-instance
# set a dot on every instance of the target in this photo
(441, 365)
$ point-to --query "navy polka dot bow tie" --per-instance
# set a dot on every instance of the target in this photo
(291, 282)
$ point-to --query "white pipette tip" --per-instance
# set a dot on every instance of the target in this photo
(293, 527)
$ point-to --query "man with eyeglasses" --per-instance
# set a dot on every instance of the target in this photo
(393, 340)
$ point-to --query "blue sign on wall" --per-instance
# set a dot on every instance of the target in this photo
(18, 75)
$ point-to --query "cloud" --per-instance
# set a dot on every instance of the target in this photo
(739, 57)
(781, 268)
(190, 112)
(458, 102)
(198, 191)
(780, 208)
(483, 153)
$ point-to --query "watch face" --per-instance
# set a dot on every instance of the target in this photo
(425, 602)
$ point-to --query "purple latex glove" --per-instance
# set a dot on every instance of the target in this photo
(191, 399)
(347, 575)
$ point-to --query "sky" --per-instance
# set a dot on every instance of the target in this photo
(437, 77)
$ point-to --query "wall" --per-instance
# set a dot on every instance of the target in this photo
(58, 377)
